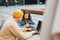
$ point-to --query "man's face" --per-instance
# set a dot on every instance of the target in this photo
(19, 19)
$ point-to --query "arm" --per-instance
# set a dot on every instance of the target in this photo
(14, 28)
(21, 24)
(32, 23)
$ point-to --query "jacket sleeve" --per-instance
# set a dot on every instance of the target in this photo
(33, 22)
(14, 29)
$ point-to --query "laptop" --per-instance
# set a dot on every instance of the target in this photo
(39, 25)
(38, 28)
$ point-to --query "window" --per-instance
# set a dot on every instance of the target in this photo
(22, 2)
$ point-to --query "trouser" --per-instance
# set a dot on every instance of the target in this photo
(6, 4)
(56, 36)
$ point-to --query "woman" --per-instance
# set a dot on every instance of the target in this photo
(26, 21)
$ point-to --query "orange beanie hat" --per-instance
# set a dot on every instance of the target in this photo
(17, 13)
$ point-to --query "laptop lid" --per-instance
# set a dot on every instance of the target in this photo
(39, 25)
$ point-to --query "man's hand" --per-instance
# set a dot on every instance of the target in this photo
(24, 29)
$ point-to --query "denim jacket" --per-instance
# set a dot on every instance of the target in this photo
(22, 23)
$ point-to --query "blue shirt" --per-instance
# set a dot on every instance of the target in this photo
(22, 23)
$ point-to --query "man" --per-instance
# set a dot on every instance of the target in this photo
(10, 30)
(6, 3)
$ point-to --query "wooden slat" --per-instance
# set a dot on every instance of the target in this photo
(34, 11)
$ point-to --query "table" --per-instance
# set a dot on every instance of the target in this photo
(35, 37)
(30, 36)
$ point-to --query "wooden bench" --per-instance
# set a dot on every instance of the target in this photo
(34, 11)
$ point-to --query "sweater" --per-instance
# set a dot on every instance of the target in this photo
(10, 31)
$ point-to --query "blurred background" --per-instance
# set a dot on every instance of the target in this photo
(21, 2)
(35, 7)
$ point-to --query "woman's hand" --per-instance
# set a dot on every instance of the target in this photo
(27, 25)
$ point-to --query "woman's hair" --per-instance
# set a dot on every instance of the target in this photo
(26, 12)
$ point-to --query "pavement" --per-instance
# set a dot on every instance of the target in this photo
(8, 10)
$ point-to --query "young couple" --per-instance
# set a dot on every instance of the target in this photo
(11, 29)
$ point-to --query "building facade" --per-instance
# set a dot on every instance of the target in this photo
(21, 2)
